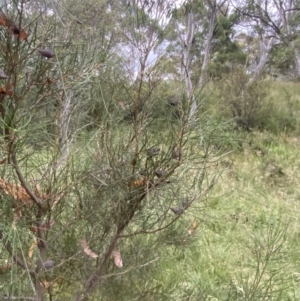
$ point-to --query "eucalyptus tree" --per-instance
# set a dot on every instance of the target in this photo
(213, 7)
(187, 40)
(274, 22)
(195, 23)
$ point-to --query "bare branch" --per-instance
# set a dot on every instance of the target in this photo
(17, 298)
(37, 200)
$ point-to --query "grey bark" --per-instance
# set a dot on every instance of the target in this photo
(66, 138)
(186, 59)
(265, 46)
(132, 61)
(186, 64)
(204, 68)
(297, 61)
(64, 126)
(214, 6)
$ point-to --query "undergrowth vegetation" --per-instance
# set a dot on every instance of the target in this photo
(242, 241)
(246, 244)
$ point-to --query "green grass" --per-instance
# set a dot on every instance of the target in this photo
(252, 221)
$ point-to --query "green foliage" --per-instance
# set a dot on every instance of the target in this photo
(284, 108)
(226, 52)
(267, 106)
(246, 100)
(282, 60)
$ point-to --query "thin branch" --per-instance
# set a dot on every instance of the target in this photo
(131, 268)
(273, 25)
(17, 298)
(255, 17)
(22, 180)
(38, 201)
(17, 259)
(93, 281)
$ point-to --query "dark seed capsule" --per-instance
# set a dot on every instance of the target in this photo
(174, 103)
(143, 172)
(16, 29)
(47, 53)
(129, 116)
(153, 151)
(160, 173)
(49, 264)
(176, 153)
(176, 210)
(185, 203)
(2, 74)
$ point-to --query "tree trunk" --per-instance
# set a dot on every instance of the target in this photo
(297, 62)
(132, 60)
(265, 48)
(186, 64)
(65, 138)
(186, 61)
(204, 68)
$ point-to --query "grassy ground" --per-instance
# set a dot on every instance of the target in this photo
(246, 245)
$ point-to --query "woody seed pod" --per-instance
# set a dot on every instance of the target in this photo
(153, 151)
(2, 74)
(160, 173)
(47, 53)
(49, 264)
(176, 210)
(176, 153)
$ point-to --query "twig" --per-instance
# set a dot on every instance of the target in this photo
(16, 258)
(16, 298)
(124, 272)
(22, 180)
